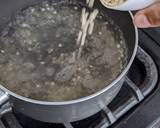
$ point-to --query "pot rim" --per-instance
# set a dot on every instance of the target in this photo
(10, 93)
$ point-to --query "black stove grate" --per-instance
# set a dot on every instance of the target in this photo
(139, 83)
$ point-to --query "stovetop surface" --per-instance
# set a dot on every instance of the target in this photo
(146, 114)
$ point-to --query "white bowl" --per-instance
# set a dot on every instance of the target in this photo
(130, 5)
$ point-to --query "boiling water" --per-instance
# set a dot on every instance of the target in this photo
(38, 54)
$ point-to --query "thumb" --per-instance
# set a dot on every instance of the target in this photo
(149, 17)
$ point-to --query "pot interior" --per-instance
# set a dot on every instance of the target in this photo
(38, 50)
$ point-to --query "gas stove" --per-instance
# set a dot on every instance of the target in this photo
(136, 105)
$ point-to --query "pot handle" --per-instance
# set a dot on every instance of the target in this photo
(3, 97)
(5, 106)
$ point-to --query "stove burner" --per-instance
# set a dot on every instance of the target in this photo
(139, 83)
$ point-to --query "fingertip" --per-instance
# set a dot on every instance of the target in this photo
(141, 21)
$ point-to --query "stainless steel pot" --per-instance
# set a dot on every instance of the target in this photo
(70, 111)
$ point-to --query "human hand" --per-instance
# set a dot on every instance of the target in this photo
(148, 17)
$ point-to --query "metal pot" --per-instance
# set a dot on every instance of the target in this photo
(70, 111)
